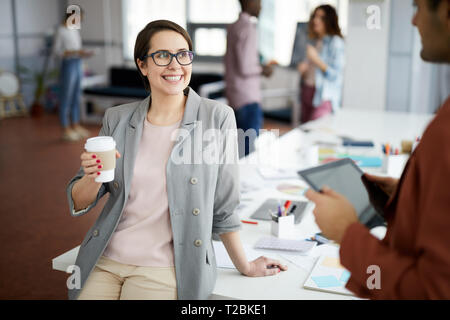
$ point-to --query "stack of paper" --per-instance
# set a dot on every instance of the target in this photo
(300, 246)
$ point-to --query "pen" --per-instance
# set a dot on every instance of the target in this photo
(292, 209)
(388, 148)
(279, 210)
(249, 222)
(286, 206)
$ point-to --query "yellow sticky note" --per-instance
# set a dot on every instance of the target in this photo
(332, 263)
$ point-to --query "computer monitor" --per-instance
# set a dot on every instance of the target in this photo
(300, 42)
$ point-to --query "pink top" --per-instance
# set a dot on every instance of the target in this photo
(143, 236)
(242, 67)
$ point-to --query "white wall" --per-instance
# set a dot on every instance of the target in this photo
(101, 30)
(366, 57)
(6, 37)
(34, 20)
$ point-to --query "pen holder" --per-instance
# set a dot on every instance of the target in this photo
(393, 165)
(283, 227)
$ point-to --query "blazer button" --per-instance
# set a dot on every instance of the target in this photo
(116, 185)
(196, 211)
(95, 233)
(194, 180)
(198, 243)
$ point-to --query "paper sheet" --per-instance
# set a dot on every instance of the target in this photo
(304, 262)
(274, 243)
(223, 259)
(328, 274)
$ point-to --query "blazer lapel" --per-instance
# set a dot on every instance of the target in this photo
(133, 133)
(190, 117)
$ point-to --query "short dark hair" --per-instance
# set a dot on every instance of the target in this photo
(433, 4)
(331, 22)
(144, 37)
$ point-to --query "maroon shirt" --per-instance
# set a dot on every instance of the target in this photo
(242, 67)
(414, 256)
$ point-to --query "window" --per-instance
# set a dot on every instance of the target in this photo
(207, 25)
(278, 21)
(138, 13)
(213, 11)
(207, 20)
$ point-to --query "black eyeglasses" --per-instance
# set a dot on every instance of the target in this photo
(163, 58)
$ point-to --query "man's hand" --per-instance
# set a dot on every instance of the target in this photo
(333, 212)
(387, 184)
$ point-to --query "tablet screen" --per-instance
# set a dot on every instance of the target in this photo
(344, 177)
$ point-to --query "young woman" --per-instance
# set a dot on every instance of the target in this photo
(67, 46)
(322, 70)
(153, 237)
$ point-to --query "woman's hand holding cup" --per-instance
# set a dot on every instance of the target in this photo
(92, 164)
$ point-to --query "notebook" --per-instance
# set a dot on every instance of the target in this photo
(274, 243)
(328, 274)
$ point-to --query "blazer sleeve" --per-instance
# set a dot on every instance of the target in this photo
(226, 197)
(104, 131)
(425, 273)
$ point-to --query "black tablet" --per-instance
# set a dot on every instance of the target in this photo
(345, 177)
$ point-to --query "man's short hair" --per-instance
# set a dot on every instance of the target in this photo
(433, 4)
(244, 3)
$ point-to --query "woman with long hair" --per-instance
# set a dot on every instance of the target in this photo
(322, 70)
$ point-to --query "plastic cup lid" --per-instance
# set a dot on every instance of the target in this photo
(102, 143)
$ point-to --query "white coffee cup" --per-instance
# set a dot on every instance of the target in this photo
(105, 149)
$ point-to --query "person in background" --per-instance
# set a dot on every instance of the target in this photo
(413, 259)
(243, 71)
(323, 69)
(67, 46)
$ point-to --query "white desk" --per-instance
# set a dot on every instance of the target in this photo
(379, 127)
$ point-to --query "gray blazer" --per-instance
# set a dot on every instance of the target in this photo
(202, 197)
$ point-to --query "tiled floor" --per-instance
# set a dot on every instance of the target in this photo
(35, 224)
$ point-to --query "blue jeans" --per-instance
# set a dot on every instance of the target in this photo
(70, 82)
(249, 116)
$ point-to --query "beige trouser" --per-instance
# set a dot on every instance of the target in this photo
(111, 280)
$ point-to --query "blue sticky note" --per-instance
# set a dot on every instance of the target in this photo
(345, 276)
(362, 161)
(327, 281)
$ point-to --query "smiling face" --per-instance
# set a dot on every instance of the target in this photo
(171, 79)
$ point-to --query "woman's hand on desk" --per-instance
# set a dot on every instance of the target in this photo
(264, 266)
